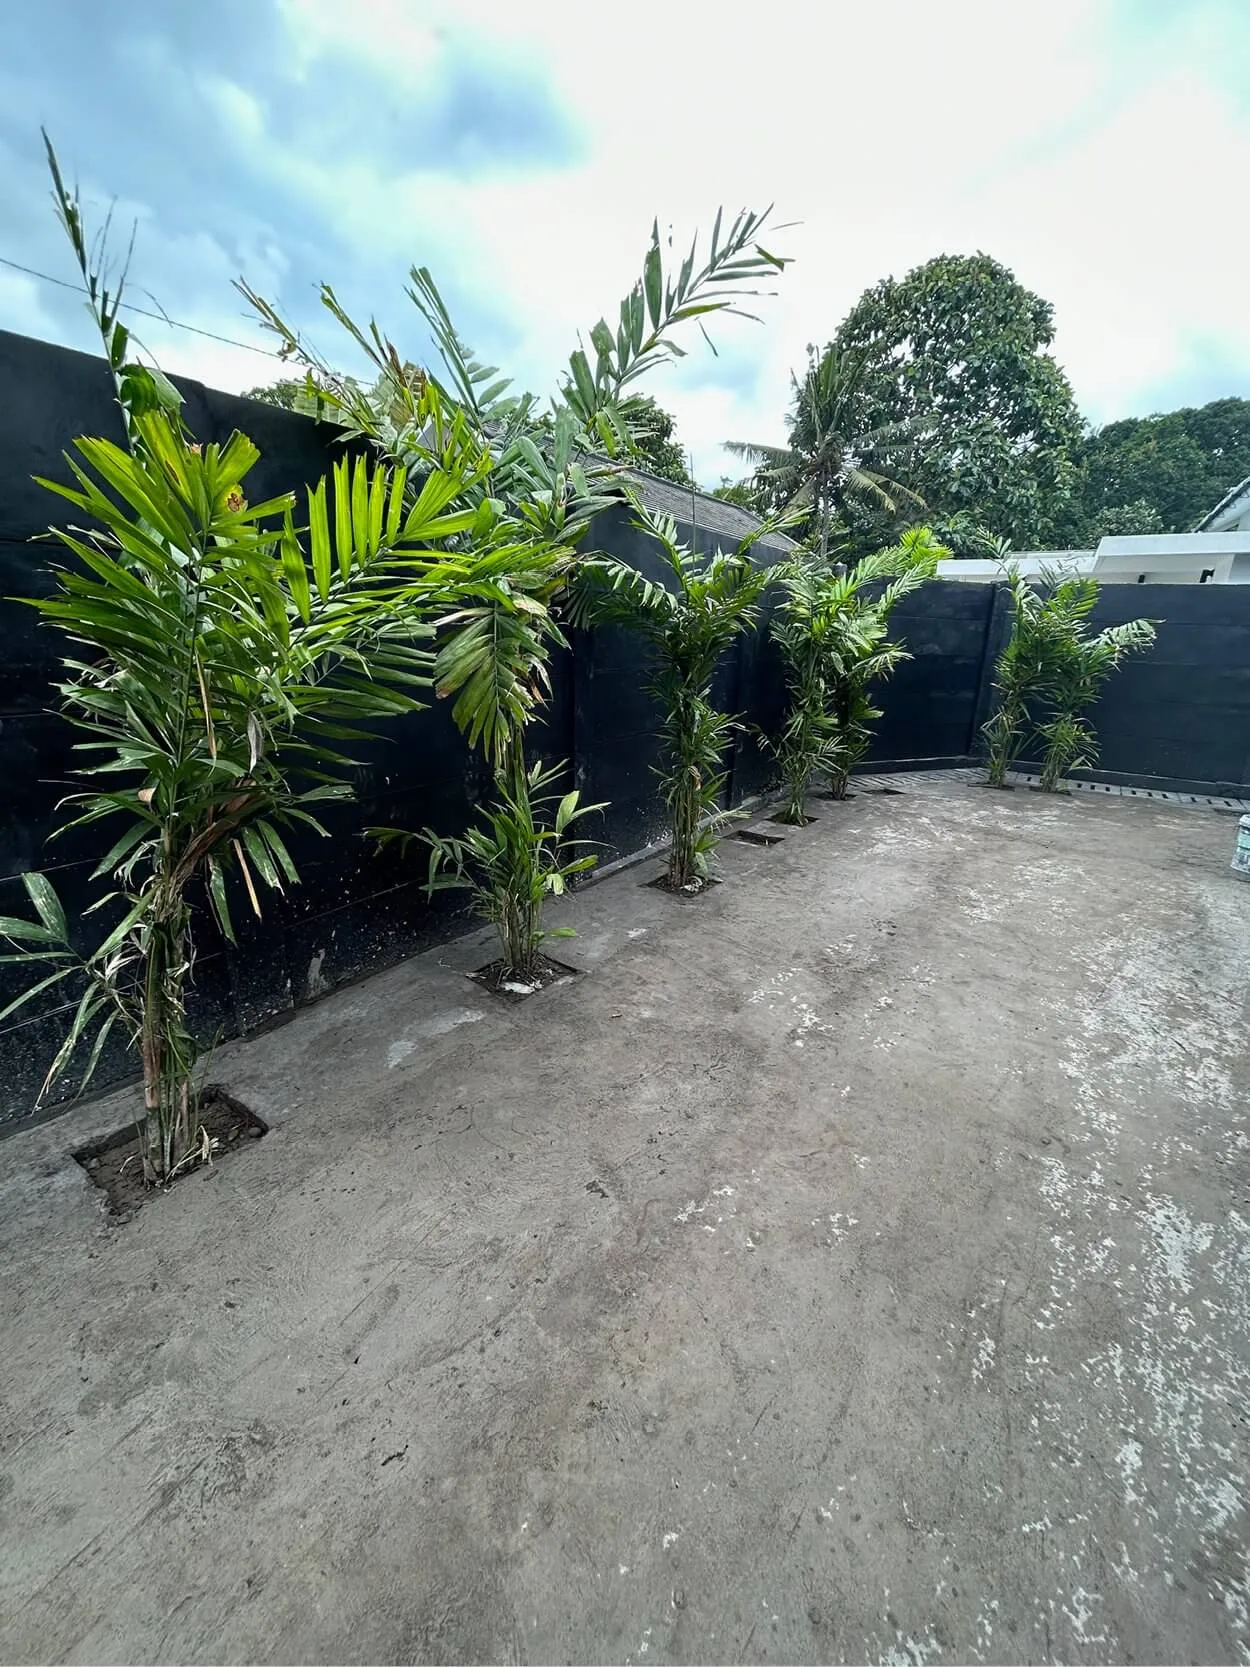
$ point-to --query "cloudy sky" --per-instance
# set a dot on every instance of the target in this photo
(1100, 148)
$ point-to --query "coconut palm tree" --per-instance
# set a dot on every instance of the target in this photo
(836, 455)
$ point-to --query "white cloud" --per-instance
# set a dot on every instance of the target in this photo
(893, 132)
(1099, 155)
(21, 309)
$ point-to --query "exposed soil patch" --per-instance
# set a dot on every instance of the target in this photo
(500, 982)
(789, 822)
(758, 836)
(115, 1162)
(696, 888)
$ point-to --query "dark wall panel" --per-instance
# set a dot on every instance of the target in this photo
(357, 908)
(1180, 715)
(929, 705)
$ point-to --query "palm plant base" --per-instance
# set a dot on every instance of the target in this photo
(694, 888)
(505, 982)
(115, 1163)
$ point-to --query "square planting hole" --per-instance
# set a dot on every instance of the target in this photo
(685, 893)
(115, 1163)
(759, 835)
(785, 821)
(492, 977)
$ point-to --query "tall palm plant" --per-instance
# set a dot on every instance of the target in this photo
(856, 605)
(1052, 665)
(836, 456)
(688, 623)
(224, 663)
(809, 741)
(551, 471)
(1079, 665)
(1020, 674)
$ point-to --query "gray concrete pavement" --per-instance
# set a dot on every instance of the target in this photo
(854, 1265)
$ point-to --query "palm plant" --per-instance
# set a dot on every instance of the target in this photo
(1051, 663)
(1019, 677)
(809, 741)
(835, 453)
(224, 665)
(1079, 665)
(550, 471)
(520, 857)
(558, 458)
(857, 652)
(688, 623)
(139, 388)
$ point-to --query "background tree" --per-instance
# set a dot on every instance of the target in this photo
(1176, 465)
(284, 393)
(1122, 520)
(744, 493)
(654, 434)
(958, 348)
(840, 453)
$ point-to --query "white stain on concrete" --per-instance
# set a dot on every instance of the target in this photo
(1179, 1244)
(911, 1652)
(1129, 1460)
(714, 1204)
(439, 1024)
(984, 1359)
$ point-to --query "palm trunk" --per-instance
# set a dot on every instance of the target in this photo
(681, 861)
(840, 775)
(520, 920)
(166, 1052)
(1003, 735)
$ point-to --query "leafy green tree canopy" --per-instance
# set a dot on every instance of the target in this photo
(958, 349)
(1179, 464)
(1121, 520)
(653, 430)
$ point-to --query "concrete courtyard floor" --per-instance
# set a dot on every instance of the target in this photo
(854, 1265)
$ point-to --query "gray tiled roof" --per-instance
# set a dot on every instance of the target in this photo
(713, 515)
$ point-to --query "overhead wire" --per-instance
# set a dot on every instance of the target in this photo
(144, 312)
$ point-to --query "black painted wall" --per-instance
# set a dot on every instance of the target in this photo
(1178, 717)
(356, 909)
